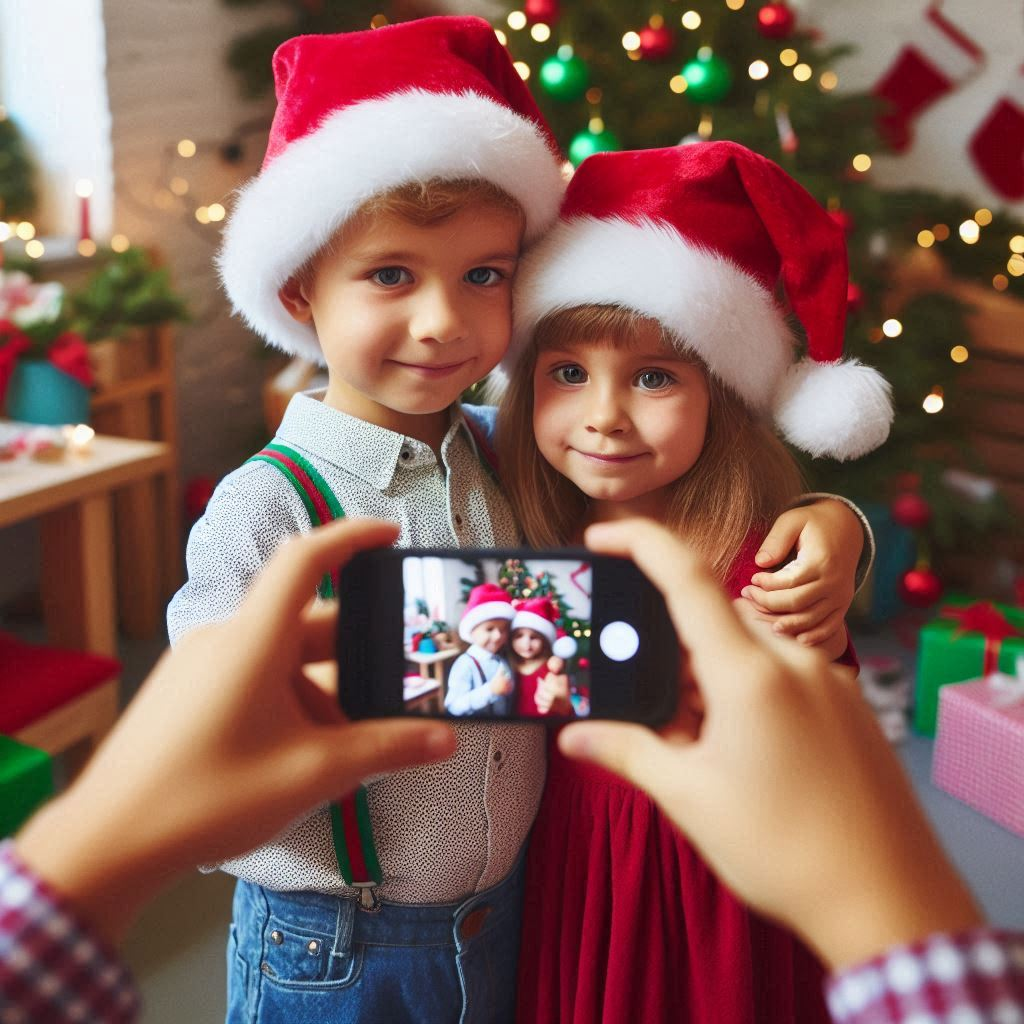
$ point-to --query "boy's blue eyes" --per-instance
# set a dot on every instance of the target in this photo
(392, 277)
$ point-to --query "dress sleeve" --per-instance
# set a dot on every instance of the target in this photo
(251, 513)
(944, 979)
(53, 967)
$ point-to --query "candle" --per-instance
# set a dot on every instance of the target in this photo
(83, 189)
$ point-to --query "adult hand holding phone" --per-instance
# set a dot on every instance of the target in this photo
(226, 743)
(785, 783)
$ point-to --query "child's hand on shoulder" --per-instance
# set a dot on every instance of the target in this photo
(809, 597)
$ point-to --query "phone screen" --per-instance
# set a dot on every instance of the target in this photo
(496, 638)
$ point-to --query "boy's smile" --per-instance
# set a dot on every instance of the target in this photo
(409, 316)
(622, 422)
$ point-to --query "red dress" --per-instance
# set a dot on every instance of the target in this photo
(526, 691)
(623, 923)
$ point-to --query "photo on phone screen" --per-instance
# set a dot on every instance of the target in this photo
(472, 649)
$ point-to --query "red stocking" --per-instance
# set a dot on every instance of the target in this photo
(925, 69)
(997, 147)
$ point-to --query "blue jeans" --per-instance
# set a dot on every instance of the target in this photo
(296, 957)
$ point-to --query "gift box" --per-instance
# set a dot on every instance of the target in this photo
(969, 640)
(26, 780)
(979, 749)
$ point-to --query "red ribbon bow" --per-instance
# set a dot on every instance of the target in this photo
(67, 353)
(985, 618)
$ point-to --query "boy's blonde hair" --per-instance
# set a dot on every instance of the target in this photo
(421, 203)
(742, 480)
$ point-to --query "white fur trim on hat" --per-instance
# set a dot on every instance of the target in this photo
(531, 620)
(300, 199)
(715, 309)
(483, 613)
(842, 410)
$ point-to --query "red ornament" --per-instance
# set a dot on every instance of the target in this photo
(854, 298)
(656, 43)
(841, 218)
(544, 11)
(583, 663)
(920, 587)
(198, 492)
(776, 21)
(911, 510)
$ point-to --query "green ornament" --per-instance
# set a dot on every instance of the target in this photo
(708, 77)
(587, 143)
(564, 77)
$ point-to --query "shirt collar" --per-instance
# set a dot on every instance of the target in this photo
(367, 451)
(481, 655)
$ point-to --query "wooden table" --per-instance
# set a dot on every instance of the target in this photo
(434, 664)
(72, 499)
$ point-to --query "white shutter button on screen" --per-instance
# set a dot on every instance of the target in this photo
(619, 641)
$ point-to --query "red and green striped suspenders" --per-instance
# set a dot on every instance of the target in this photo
(351, 830)
(350, 817)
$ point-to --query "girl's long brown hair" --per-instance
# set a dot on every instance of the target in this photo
(742, 480)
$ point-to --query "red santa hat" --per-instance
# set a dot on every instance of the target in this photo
(698, 237)
(359, 113)
(487, 601)
(541, 615)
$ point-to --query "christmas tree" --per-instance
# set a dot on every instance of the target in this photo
(17, 173)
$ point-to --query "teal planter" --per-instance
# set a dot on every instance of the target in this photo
(40, 393)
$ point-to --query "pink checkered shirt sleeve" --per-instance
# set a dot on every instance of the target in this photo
(976, 977)
(52, 968)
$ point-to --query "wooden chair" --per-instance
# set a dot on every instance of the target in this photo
(61, 701)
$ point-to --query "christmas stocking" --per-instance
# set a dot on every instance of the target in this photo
(925, 69)
(997, 147)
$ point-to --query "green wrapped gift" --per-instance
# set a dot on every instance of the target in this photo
(968, 640)
(26, 780)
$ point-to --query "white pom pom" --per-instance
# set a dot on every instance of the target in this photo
(843, 410)
(564, 647)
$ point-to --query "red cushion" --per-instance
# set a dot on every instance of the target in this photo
(35, 680)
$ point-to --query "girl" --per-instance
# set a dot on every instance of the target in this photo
(648, 353)
(541, 689)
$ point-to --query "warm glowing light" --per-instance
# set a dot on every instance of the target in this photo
(186, 148)
(892, 328)
(119, 243)
(216, 212)
(933, 403)
(203, 215)
(983, 217)
(34, 249)
(735, 5)
(502, 38)
(802, 72)
(705, 53)
(970, 232)
(25, 230)
(862, 163)
(1015, 265)
(706, 126)
(959, 354)
(179, 186)
(631, 41)
(516, 20)
(5, 231)
(594, 94)
(828, 81)
(691, 20)
(86, 247)
(83, 188)
(540, 32)
(925, 238)
(789, 57)
(941, 232)
(378, 21)
(523, 68)
(1017, 243)
(634, 55)
(758, 70)
(677, 84)
(564, 52)
(79, 437)
(596, 125)
(1000, 282)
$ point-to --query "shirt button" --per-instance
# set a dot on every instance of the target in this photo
(497, 755)
(458, 519)
(405, 454)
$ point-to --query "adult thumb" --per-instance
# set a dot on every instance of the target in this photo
(360, 749)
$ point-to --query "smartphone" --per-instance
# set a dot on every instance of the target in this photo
(512, 634)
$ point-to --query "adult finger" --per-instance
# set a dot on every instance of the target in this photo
(319, 631)
(283, 588)
(703, 617)
(364, 748)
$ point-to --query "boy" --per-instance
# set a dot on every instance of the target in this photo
(381, 238)
(480, 680)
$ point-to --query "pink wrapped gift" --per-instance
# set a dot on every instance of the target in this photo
(979, 746)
